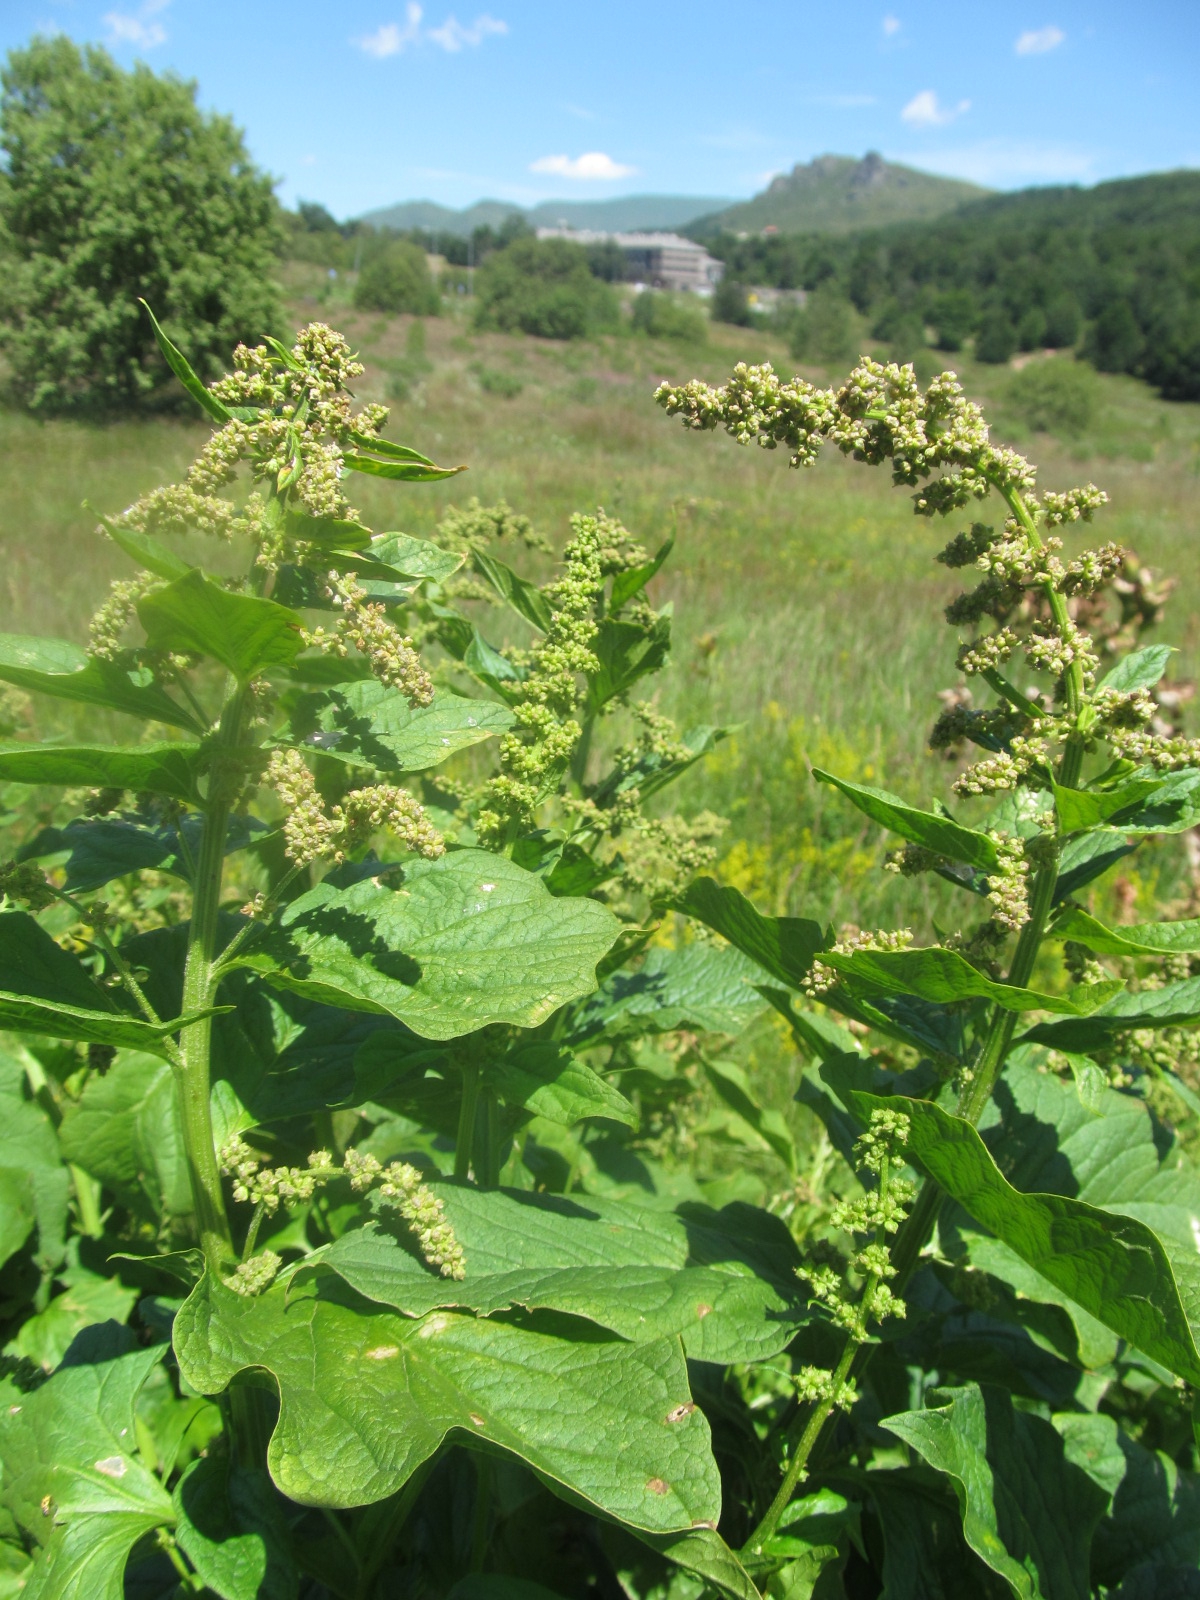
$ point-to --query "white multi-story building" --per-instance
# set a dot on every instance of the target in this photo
(660, 260)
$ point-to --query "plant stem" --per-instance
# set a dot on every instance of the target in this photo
(465, 1142)
(381, 1526)
(193, 1070)
(87, 1198)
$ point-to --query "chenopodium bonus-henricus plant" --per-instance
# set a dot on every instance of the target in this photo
(1008, 1080)
(314, 1014)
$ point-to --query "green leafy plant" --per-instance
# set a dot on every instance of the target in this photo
(543, 287)
(395, 277)
(352, 1082)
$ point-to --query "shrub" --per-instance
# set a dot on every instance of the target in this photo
(996, 340)
(1063, 321)
(954, 316)
(662, 316)
(1060, 396)
(824, 330)
(731, 303)
(1114, 342)
(543, 287)
(395, 277)
(118, 186)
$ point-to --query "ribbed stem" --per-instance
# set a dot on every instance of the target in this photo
(193, 1071)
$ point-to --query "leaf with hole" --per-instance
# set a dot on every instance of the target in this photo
(367, 1395)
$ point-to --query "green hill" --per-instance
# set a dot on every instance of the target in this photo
(627, 212)
(837, 194)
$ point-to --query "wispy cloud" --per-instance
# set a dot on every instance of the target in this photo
(393, 38)
(891, 26)
(137, 28)
(581, 112)
(1007, 162)
(925, 110)
(592, 166)
(1037, 41)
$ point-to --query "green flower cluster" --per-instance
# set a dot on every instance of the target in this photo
(365, 626)
(311, 833)
(401, 1185)
(272, 1187)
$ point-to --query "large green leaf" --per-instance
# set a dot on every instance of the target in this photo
(415, 558)
(241, 631)
(72, 1478)
(367, 1395)
(56, 667)
(553, 1083)
(157, 768)
(525, 598)
(1027, 1510)
(1148, 802)
(233, 1529)
(465, 940)
(1174, 1005)
(720, 1280)
(703, 1552)
(1142, 939)
(634, 579)
(53, 993)
(701, 985)
(785, 947)
(103, 848)
(943, 976)
(1114, 1266)
(366, 724)
(1141, 669)
(940, 834)
(86, 1298)
(924, 1554)
(1154, 1516)
(125, 1130)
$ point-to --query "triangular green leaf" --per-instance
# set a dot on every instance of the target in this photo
(233, 1529)
(158, 768)
(462, 941)
(241, 631)
(1142, 939)
(940, 834)
(1175, 1005)
(367, 1395)
(785, 947)
(1027, 1510)
(943, 976)
(367, 724)
(58, 668)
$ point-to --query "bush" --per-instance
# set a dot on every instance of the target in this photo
(1060, 396)
(663, 317)
(731, 303)
(1062, 321)
(118, 186)
(543, 287)
(953, 316)
(1031, 330)
(997, 337)
(1114, 342)
(824, 332)
(396, 278)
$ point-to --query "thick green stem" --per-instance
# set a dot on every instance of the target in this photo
(87, 1198)
(193, 1070)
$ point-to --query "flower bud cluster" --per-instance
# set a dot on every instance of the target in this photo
(23, 882)
(879, 414)
(965, 549)
(311, 833)
(821, 977)
(401, 1185)
(1054, 649)
(1074, 506)
(1166, 752)
(1008, 885)
(391, 654)
(912, 860)
(1092, 570)
(256, 1275)
(271, 1187)
(814, 1384)
(117, 612)
(989, 653)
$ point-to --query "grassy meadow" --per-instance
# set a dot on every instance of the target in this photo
(807, 605)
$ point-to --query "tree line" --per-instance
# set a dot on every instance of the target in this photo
(1113, 271)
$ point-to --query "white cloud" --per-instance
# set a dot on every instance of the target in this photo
(1036, 41)
(392, 38)
(137, 28)
(891, 26)
(593, 166)
(453, 35)
(925, 110)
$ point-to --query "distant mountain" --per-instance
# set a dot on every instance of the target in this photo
(635, 211)
(837, 194)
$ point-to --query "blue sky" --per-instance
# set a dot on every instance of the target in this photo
(364, 102)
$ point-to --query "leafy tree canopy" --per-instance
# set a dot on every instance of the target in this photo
(543, 287)
(119, 186)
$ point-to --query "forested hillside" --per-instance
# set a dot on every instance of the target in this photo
(1117, 266)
